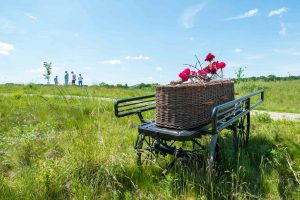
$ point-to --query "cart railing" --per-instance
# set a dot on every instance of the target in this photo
(136, 105)
(228, 113)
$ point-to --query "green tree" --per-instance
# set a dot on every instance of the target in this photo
(272, 77)
(48, 68)
(239, 73)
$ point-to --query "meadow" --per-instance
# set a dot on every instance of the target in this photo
(283, 96)
(59, 148)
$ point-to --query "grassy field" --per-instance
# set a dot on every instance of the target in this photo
(281, 96)
(95, 91)
(54, 148)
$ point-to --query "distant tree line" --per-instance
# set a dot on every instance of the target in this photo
(268, 78)
(153, 85)
(139, 86)
(240, 79)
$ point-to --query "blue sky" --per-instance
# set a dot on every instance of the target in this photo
(133, 41)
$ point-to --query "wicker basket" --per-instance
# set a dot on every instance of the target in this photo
(190, 105)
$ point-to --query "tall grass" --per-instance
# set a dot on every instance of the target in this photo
(95, 91)
(55, 148)
(281, 96)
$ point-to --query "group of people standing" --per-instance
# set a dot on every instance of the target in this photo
(74, 78)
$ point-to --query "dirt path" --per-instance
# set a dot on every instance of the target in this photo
(279, 115)
(273, 115)
(64, 96)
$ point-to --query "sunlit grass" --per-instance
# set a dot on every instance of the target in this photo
(55, 148)
(280, 96)
(94, 91)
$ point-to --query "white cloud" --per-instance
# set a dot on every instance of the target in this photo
(282, 29)
(30, 16)
(137, 57)
(237, 50)
(5, 48)
(291, 52)
(247, 14)
(141, 58)
(279, 11)
(158, 68)
(187, 17)
(112, 62)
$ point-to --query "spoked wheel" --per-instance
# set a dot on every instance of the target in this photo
(146, 155)
(241, 132)
(191, 160)
(214, 153)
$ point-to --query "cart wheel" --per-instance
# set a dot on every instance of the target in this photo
(241, 131)
(214, 153)
(145, 153)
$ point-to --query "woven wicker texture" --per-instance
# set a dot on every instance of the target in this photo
(187, 106)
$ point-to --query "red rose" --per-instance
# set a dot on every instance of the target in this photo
(202, 72)
(206, 69)
(184, 76)
(186, 71)
(209, 57)
(215, 64)
(211, 69)
(221, 65)
(193, 72)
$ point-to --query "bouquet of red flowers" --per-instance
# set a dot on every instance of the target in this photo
(186, 106)
(213, 70)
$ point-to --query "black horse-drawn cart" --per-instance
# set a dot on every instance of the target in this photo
(153, 141)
